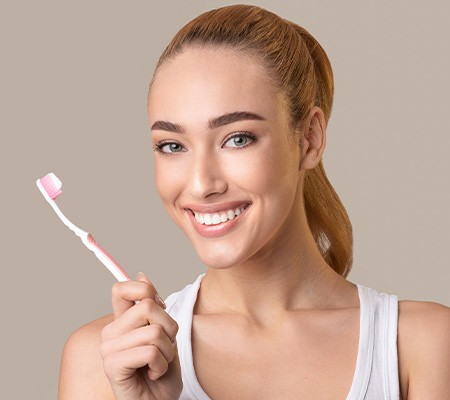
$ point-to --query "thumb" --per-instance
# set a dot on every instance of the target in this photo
(143, 278)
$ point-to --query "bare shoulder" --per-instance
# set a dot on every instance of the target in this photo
(81, 374)
(424, 349)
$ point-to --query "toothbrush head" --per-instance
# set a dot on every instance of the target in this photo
(51, 185)
(50, 188)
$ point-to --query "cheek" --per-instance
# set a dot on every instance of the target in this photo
(274, 176)
(270, 172)
(168, 179)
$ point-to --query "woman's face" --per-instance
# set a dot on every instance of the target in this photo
(226, 162)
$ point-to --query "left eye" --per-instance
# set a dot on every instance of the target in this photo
(240, 140)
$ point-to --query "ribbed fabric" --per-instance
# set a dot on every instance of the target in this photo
(376, 373)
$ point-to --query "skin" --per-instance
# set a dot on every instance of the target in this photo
(278, 254)
(264, 276)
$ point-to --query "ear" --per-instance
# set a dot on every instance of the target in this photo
(313, 139)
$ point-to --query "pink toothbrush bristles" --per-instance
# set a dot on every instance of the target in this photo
(52, 185)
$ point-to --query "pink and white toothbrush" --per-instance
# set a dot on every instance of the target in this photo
(50, 187)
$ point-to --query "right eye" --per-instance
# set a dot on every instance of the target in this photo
(168, 147)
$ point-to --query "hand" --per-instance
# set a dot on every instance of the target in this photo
(139, 352)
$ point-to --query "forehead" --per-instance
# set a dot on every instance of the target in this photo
(204, 82)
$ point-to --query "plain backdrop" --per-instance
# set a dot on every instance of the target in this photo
(74, 78)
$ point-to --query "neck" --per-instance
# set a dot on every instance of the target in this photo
(288, 273)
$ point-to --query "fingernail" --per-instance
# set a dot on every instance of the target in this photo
(160, 301)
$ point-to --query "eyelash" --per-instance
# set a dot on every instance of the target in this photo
(158, 146)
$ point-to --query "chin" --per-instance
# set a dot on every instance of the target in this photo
(219, 258)
(218, 261)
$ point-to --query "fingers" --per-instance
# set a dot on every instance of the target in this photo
(158, 299)
(130, 316)
(141, 334)
(144, 336)
(147, 312)
(119, 364)
(125, 294)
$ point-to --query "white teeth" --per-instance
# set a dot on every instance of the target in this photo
(217, 218)
(207, 219)
(199, 218)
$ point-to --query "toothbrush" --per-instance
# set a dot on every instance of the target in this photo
(50, 187)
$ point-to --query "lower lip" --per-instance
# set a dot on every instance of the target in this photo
(213, 231)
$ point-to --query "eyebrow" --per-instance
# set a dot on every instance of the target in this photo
(217, 122)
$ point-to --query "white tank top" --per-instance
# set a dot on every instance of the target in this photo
(376, 374)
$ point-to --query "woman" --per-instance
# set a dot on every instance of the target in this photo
(238, 108)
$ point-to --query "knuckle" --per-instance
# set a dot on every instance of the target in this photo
(116, 289)
(150, 305)
(164, 369)
(103, 349)
(109, 366)
(149, 291)
(157, 331)
(104, 334)
(156, 373)
(172, 354)
(146, 290)
(153, 375)
(152, 354)
(173, 327)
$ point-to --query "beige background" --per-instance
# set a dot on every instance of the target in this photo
(73, 95)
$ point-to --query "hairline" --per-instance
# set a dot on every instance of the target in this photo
(251, 53)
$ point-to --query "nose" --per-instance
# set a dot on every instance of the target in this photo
(206, 176)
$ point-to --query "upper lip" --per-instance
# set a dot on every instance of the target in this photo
(216, 207)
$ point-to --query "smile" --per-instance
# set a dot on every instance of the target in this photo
(219, 223)
(217, 218)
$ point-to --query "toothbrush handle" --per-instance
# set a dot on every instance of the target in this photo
(109, 262)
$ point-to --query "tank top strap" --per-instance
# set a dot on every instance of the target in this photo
(377, 355)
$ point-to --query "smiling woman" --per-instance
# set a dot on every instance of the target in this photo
(207, 169)
(238, 109)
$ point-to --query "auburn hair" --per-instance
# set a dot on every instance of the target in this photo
(300, 68)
